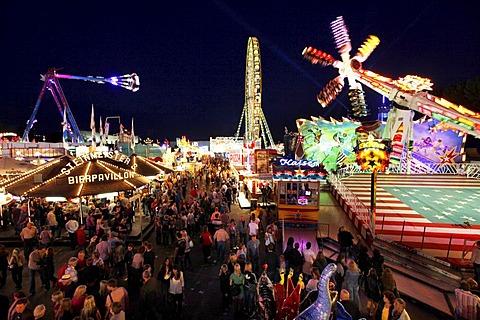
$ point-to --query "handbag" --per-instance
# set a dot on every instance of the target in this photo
(191, 244)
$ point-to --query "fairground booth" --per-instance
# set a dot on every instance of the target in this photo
(297, 184)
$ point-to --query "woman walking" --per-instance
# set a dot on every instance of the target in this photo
(90, 310)
(177, 291)
(352, 278)
(15, 263)
(206, 240)
(224, 277)
(237, 283)
(163, 276)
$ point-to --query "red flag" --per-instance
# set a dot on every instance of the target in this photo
(279, 297)
(290, 286)
(294, 303)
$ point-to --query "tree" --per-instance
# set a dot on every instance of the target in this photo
(467, 94)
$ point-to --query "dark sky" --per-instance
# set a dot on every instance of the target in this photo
(190, 57)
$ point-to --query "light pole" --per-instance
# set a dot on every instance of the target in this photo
(148, 142)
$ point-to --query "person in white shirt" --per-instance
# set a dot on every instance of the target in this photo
(269, 237)
(177, 290)
(252, 227)
(399, 312)
(308, 256)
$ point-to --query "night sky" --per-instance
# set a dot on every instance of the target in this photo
(190, 57)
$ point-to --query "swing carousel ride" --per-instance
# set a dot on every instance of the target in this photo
(51, 83)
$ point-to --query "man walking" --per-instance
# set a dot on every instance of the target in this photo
(242, 227)
(253, 252)
(221, 237)
(29, 237)
(34, 265)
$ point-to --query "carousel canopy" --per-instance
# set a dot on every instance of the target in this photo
(9, 166)
(144, 166)
(88, 174)
(20, 184)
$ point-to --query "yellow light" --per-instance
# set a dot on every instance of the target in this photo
(80, 187)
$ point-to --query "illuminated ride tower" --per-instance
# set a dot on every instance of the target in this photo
(50, 78)
(257, 134)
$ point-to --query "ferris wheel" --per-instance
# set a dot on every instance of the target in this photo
(256, 127)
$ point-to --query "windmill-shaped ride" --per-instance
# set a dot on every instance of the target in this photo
(407, 94)
(346, 67)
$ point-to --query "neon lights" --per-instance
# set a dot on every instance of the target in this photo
(316, 56)
(357, 100)
(94, 155)
(298, 163)
(330, 92)
(99, 177)
(340, 35)
(373, 154)
(413, 83)
(367, 48)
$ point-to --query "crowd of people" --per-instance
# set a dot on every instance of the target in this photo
(109, 278)
(106, 271)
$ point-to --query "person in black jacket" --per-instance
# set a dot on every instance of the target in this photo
(345, 239)
(373, 292)
(150, 302)
(349, 305)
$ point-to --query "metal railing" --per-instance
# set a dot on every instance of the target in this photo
(360, 210)
(468, 243)
(320, 227)
(470, 170)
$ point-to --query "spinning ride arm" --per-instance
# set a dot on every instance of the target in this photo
(406, 93)
(130, 82)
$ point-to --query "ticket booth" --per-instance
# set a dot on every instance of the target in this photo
(297, 190)
(298, 199)
(297, 186)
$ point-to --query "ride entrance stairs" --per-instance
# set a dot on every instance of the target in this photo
(424, 278)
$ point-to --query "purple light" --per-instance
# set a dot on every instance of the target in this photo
(114, 81)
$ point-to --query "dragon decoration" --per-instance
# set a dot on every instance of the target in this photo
(279, 301)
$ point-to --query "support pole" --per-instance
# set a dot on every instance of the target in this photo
(81, 211)
(373, 201)
(28, 210)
